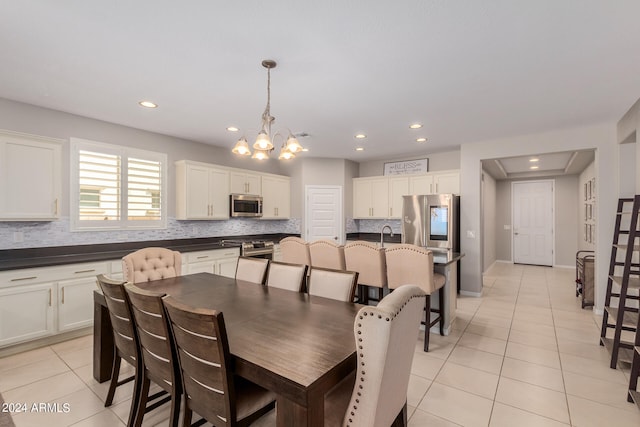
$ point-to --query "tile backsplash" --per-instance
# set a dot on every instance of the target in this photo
(34, 234)
(56, 233)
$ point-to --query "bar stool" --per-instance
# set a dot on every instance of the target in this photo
(369, 260)
(327, 254)
(410, 264)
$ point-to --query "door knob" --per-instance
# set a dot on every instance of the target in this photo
(335, 238)
(516, 233)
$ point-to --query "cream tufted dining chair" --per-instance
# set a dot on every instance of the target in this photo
(295, 251)
(410, 264)
(369, 261)
(335, 284)
(327, 254)
(149, 264)
(287, 276)
(386, 337)
(252, 269)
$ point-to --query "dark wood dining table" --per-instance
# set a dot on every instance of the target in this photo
(297, 345)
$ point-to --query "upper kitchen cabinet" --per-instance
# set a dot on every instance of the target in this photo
(276, 197)
(371, 197)
(446, 182)
(245, 183)
(435, 183)
(30, 177)
(398, 187)
(202, 191)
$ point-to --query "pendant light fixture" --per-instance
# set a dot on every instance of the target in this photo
(264, 141)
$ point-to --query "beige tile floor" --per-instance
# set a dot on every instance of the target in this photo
(525, 354)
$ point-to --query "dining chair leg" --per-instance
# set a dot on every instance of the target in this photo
(135, 398)
(441, 305)
(175, 409)
(142, 401)
(115, 373)
(364, 294)
(427, 321)
(186, 419)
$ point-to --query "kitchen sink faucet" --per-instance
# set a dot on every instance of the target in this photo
(384, 227)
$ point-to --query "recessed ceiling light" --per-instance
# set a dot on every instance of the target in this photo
(233, 129)
(534, 159)
(361, 136)
(421, 140)
(359, 148)
(148, 104)
(534, 167)
(305, 149)
(415, 126)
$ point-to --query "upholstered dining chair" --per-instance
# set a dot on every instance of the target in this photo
(125, 339)
(327, 254)
(335, 284)
(159, 359)
(252, 269)
(149, 264)
(287, 276)
(410, 264)
(385, 337)
(295, 251)
(211, 388)
(369, 261)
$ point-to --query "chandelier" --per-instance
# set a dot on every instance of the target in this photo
(264, 141)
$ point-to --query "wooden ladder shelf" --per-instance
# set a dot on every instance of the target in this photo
(622, 317)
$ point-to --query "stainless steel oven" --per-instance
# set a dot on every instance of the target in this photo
(245, 205)
(254, 248)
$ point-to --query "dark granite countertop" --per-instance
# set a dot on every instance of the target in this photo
(12, 259)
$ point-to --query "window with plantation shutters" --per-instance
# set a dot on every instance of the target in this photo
(115, 187)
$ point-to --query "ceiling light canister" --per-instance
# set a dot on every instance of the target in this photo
(534, 167)
(233, 129)
(360, 136)
(415, 126)
(148, 104)
(534, 159)
(359, 148)
(421, 140)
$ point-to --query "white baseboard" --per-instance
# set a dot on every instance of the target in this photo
(565, 266)
(471, 294)
(505, 261)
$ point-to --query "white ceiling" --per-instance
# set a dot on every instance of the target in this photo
(468, 70)
(549, 164)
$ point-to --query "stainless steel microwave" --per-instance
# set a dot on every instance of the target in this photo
(245, 205)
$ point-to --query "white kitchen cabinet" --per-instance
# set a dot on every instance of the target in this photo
(202, 191)
(242, 182)
(421, 184)
(37, 302)
(446, 182)
(26, 312)
(75, 303)
(276, 197)
(30, 177)
(370, 197)
(398, 187)
(216, 261)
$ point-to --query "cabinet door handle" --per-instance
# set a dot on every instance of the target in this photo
(230, 253)
(23, 278)
(50, 297)
(203, 257)
(436, 187)
(430, 188)
(62, 290)
(390, 211)
(84, 271)
(55, 209)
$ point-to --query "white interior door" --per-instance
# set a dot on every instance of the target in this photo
(532, 207)
(323, 213)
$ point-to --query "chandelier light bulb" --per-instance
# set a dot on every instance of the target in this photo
(260, 155)
(293, 145)
(241, 147)
(263, 142)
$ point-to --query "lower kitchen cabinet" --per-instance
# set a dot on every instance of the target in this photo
(39, 302)
(26, 312)
(216, 261)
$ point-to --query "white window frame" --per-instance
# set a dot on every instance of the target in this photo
(77, 145)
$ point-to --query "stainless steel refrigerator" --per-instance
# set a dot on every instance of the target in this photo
(432, 221)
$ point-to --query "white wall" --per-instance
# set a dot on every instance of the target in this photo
(601, 137)
(437, 162)
(587, 175)
(488, 220)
